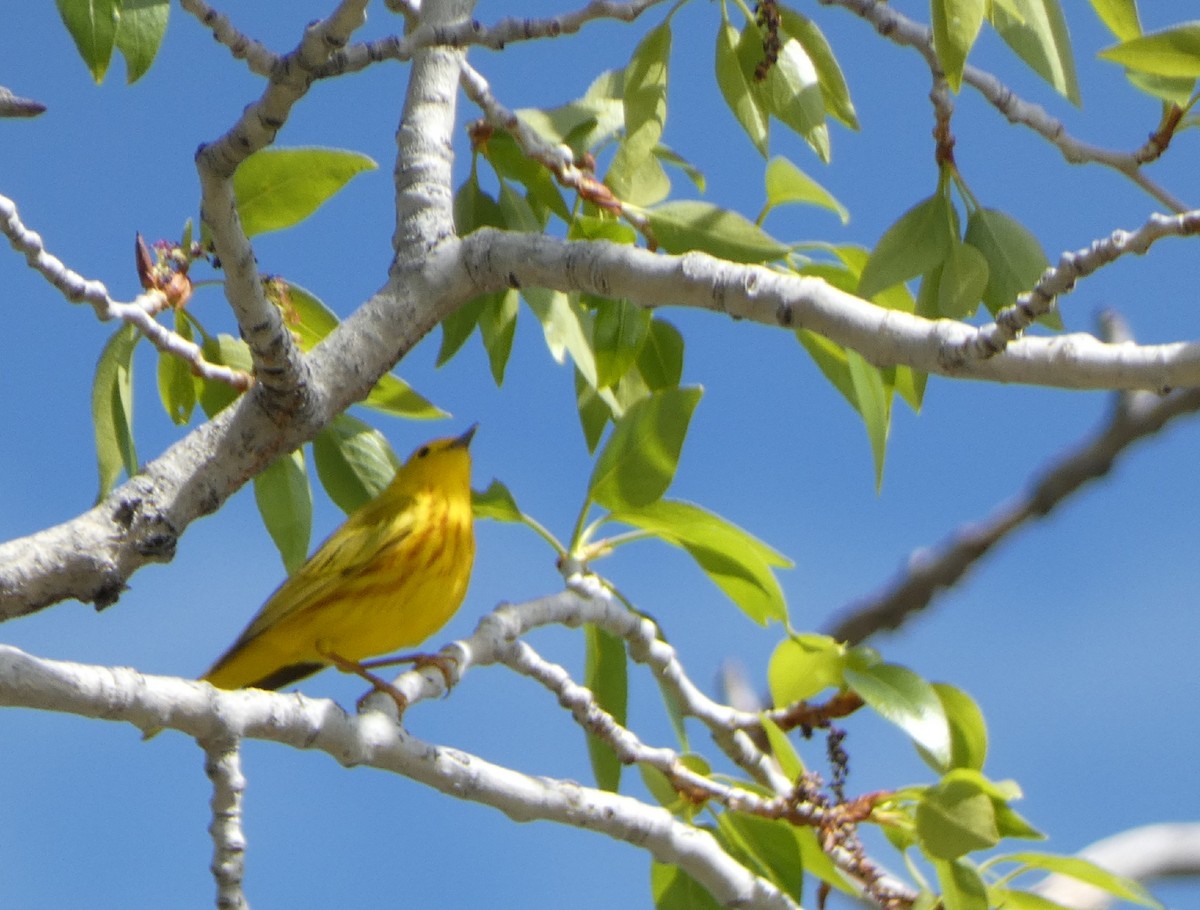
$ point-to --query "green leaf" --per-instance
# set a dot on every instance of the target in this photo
(176, 384)
(112, 409)
(787, 183)
(834, 90)
(638, 462)
(140, 29)
(1084, 871)
(636, 176)
(792, 93)
(566, 327)
(735, 81)
(1039, 36)
(901, 696)
(917, 242)
(873, 401)
(601, 227)
(1121, 17)
(963, 280)
(1008, 899)
(474, 208)
(594, 412)
(769, 849)
(955, 818)
(284, 500)
(215, 396)
(354, 462)
(962, 886)
(956, 25)
(586, 123)
(736, 561)
(392, 395)
(660, 359)
(92, 25)
(497, 327)
(694, 225)
(278, 188)
(782, 749)
(510, 163)
(458, 326)
(1174, 51)
(496, 503)
(674, 889)
(968, 730)
(618, 333)
(517, 212)
(606, 674)
(802, 666)
(1014, 257)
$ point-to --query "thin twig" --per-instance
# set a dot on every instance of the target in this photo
(904, 31)
(474, 33)
(139, 312)
(1011, 321)
(1135, 416)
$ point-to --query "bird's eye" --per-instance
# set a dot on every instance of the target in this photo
(423, 451)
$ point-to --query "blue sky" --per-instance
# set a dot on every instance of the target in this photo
(1075, 638)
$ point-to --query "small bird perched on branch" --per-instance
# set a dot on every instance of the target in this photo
(388, 578)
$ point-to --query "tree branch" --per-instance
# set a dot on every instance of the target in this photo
(903, 31)
(496, 259)
(223, 765)
(1134, 417)
(375, 741)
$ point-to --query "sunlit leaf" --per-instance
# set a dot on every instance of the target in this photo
(792, 94)
(606, 674)
(618, 333)
(956, 24)
(736, 561)
(92, 25)
(112, 409)
(496, 503)
(901, 696)
(1039, 37)
(735, 82)
(1121, 17)
(962, 886)
(1174, 51)
(140, 31)
(834, 90)
(176, 384)
(278, 188)
(1085, 871)
(786, 183)
(694, 225)
(802, 666)
(673, 889)
(354, 462)
(638, 462)
(660, 359)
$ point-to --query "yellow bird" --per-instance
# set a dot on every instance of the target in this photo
(388, 578)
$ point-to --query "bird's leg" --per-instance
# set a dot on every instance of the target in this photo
(378, 683)
(443, 663)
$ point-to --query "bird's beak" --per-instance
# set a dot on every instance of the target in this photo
(464, 440)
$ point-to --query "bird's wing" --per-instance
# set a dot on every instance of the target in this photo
(347, 552)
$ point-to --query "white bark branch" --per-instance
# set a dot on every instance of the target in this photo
(374, 740)
(223, 765)
(900, 29)
(496, 259)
